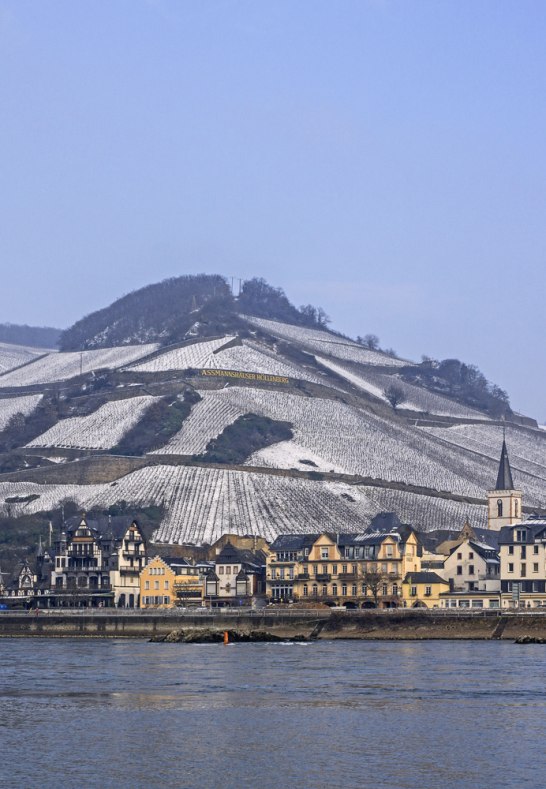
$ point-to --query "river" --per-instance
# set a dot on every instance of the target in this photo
(413, 715)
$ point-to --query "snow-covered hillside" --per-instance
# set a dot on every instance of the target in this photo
(9, 406)
(324, 342)
(201, 503)
(15, 355)
(246, 357)
(417, 398)
(339, 437)
(102, 429)
(62, 366)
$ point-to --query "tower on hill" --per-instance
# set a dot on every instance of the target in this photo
(504, 504)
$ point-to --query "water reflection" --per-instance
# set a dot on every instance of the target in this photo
(419, 714)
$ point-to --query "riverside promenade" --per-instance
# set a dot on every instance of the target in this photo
(290, 624)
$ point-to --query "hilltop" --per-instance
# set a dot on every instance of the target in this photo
(244, 413)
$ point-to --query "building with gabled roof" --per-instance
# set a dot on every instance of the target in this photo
(504, 503)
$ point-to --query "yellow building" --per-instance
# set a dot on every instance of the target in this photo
(423, 590)
(170, 583)
(352, 570)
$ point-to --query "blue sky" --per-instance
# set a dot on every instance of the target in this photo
(385, 160)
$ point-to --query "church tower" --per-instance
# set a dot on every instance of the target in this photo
(504, 504)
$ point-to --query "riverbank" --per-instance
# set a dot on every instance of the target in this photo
(274, 625)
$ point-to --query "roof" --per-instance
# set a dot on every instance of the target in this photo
(504, 477)
(232, 555)
(105, 526)
(293, 542)
(534, 527)
(424, 577)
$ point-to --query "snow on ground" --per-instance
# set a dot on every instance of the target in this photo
(202, 503)
(62, 366)
(345, 438)
(194, 355)
(526, 448)
(248, 357)
(17, 405)
(418, 399)
(14, 355)
(102, 429)
(326, 343)
(290, 454)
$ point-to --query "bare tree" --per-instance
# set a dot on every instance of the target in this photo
(371, 341)
(373, 580)
(395, 395)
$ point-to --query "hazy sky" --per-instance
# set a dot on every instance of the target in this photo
(384, 159)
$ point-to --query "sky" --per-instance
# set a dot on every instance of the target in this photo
(384, 159)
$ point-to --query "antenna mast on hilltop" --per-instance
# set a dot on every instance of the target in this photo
(239, 287)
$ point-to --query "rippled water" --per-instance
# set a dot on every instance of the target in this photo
(92, 713)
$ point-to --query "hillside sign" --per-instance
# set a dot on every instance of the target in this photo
(270, 379)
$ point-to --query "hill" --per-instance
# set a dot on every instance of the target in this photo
(31, 336)
(247, 414)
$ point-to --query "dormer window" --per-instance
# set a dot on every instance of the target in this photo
(521, 535)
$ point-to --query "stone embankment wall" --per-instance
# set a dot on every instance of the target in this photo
(309, 625)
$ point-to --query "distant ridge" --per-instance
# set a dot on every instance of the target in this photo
(31, 336)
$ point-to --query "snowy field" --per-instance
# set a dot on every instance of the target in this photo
(14, 355)
(325, 343)
(248, 357)
(100, 430)
(62, 366)
(202, 504)
(343, 438)
(526, 449)
(417, 399)
(17, 405)
(194, 355)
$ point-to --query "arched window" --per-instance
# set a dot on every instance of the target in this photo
(516, 508)
(334, 590)
(499, 508)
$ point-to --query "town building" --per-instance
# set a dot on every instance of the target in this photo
(352, 570)
(237, 578)
(169, 582)
(505, 503)
(98, 561)
(523, 563)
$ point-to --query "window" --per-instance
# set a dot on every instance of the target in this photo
(324, 553)
(535, 567)
(165, 585)
(344, 568)
(395, 589)
(384, 569)
(305, 590)
(510, 550)
(334, 569)
(228, 570)
(354, 569)
(459, 570)
(470, 555)
(523, 570)
(459, 556)
(510, 568)
(324, 569)
(334, 590)
(535, 550)
(523, 551)
(499, 508)
(156, 584)
(428, 591)
(146, 584)
(166, 600)
(315, 590)
(353, 590)
(384, 590)
(344, 590)
(364, 590)
(521, 535)
(324, 590)
(413, 591)
(516, 508)
(220, 571)
(471, 569)
(389, 551)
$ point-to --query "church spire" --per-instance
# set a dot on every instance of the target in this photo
(504, 477)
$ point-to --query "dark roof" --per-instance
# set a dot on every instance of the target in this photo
(504, 477)
(432, 539)
(385, 521)
(424, 578)
(293, 542)
(231, 554)
(113, 527)
(534, 527)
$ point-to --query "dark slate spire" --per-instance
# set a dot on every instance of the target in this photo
(504, 477)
